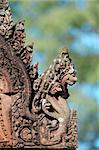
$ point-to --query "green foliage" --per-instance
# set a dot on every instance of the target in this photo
(87, 67)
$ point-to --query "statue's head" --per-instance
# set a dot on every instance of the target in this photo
(62, 68)
(61, 73)
(55, 80)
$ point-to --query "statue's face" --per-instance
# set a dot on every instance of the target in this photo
(70, 77)
(65, 69)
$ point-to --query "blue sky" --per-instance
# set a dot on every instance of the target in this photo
(86, 41)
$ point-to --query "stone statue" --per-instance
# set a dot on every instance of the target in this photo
(34, 112)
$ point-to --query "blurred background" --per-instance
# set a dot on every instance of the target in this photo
(52, 24)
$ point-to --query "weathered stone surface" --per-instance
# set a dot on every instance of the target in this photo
(34, 112)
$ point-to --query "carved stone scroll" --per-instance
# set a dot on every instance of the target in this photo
(34, 111)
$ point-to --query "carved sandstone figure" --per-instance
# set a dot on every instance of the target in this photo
(34, 111)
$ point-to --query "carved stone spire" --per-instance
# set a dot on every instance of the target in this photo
(34, 111)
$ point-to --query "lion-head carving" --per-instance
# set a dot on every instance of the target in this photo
(55, 80)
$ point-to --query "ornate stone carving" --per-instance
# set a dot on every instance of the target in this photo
(34, 112)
